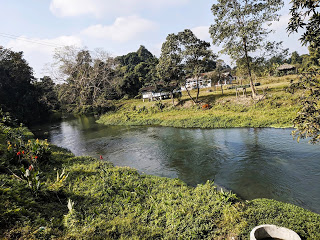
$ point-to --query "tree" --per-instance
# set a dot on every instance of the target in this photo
(295, 58)
(216, 75)
(89, 77)
(239, 25)
(46, 89)
(136, 69)
(305, 15)
(197, 56)
(182, 55)
(17, 92)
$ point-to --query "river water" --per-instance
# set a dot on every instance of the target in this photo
(254, 163)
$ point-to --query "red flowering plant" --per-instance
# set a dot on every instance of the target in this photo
(29, 154)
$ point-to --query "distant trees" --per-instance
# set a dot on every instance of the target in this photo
(182, 55)
(135, 70)
(88, 81)
(92, 78)
(239, 25)
(46, 89)
(216, 75)
(295, 58)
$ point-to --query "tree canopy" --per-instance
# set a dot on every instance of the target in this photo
(18, 95)
(182, 55)
(239, 25)
(89, 77)
(305, 15)
(136, 69)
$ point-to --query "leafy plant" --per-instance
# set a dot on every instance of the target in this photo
(31, 175)
(30, 152)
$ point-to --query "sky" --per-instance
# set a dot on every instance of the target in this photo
(38, 27)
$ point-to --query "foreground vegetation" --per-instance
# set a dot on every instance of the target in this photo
(85, 198)
(278, 108)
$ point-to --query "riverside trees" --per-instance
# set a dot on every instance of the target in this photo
(18, 95)
(91, 79)
(88, 81)
(239, 25)
(305, 15)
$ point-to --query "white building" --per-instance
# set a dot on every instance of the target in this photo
(152, 95)
(226, 78)
(191, 83)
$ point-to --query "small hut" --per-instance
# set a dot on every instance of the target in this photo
(286, 69)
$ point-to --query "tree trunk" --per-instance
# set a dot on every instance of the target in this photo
(253, 90)
(221, 89)
(198, 89)
(185, 85)
(172, 98)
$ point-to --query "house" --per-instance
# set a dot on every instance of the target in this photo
(191, 83)
(204, 81)
(287, 68)
(152, 94)
(225, 79)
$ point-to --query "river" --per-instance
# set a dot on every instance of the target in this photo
(254, 163)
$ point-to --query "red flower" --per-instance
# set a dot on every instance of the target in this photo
(18, 153)
(36, 157)
(22, 152)
(101, 157)
(30, 168)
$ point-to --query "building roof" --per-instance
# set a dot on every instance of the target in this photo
(286, 67)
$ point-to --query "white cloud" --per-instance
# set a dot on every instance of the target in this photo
(99, 8)
(201, 32)
(122, 30)
(281, 24)
(38, 52)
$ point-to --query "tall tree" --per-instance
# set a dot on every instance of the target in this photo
(182, 55)
(305, 16)
(17, 92)
(89, 77)
(239, 25)
(198, 57)
(136, 69)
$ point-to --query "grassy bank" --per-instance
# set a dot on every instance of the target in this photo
(91, 199)
(277, 109)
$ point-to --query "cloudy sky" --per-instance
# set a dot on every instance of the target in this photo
(37, 27)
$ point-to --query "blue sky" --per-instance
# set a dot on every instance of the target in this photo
(36, 27)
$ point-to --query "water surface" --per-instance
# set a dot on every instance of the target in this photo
(254, 163)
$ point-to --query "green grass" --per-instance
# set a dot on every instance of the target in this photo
(119, 203)
(277, 109)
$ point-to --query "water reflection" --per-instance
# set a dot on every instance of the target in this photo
(251, 162)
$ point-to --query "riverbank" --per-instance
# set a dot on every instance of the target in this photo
(83, 197)
(276, 109)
